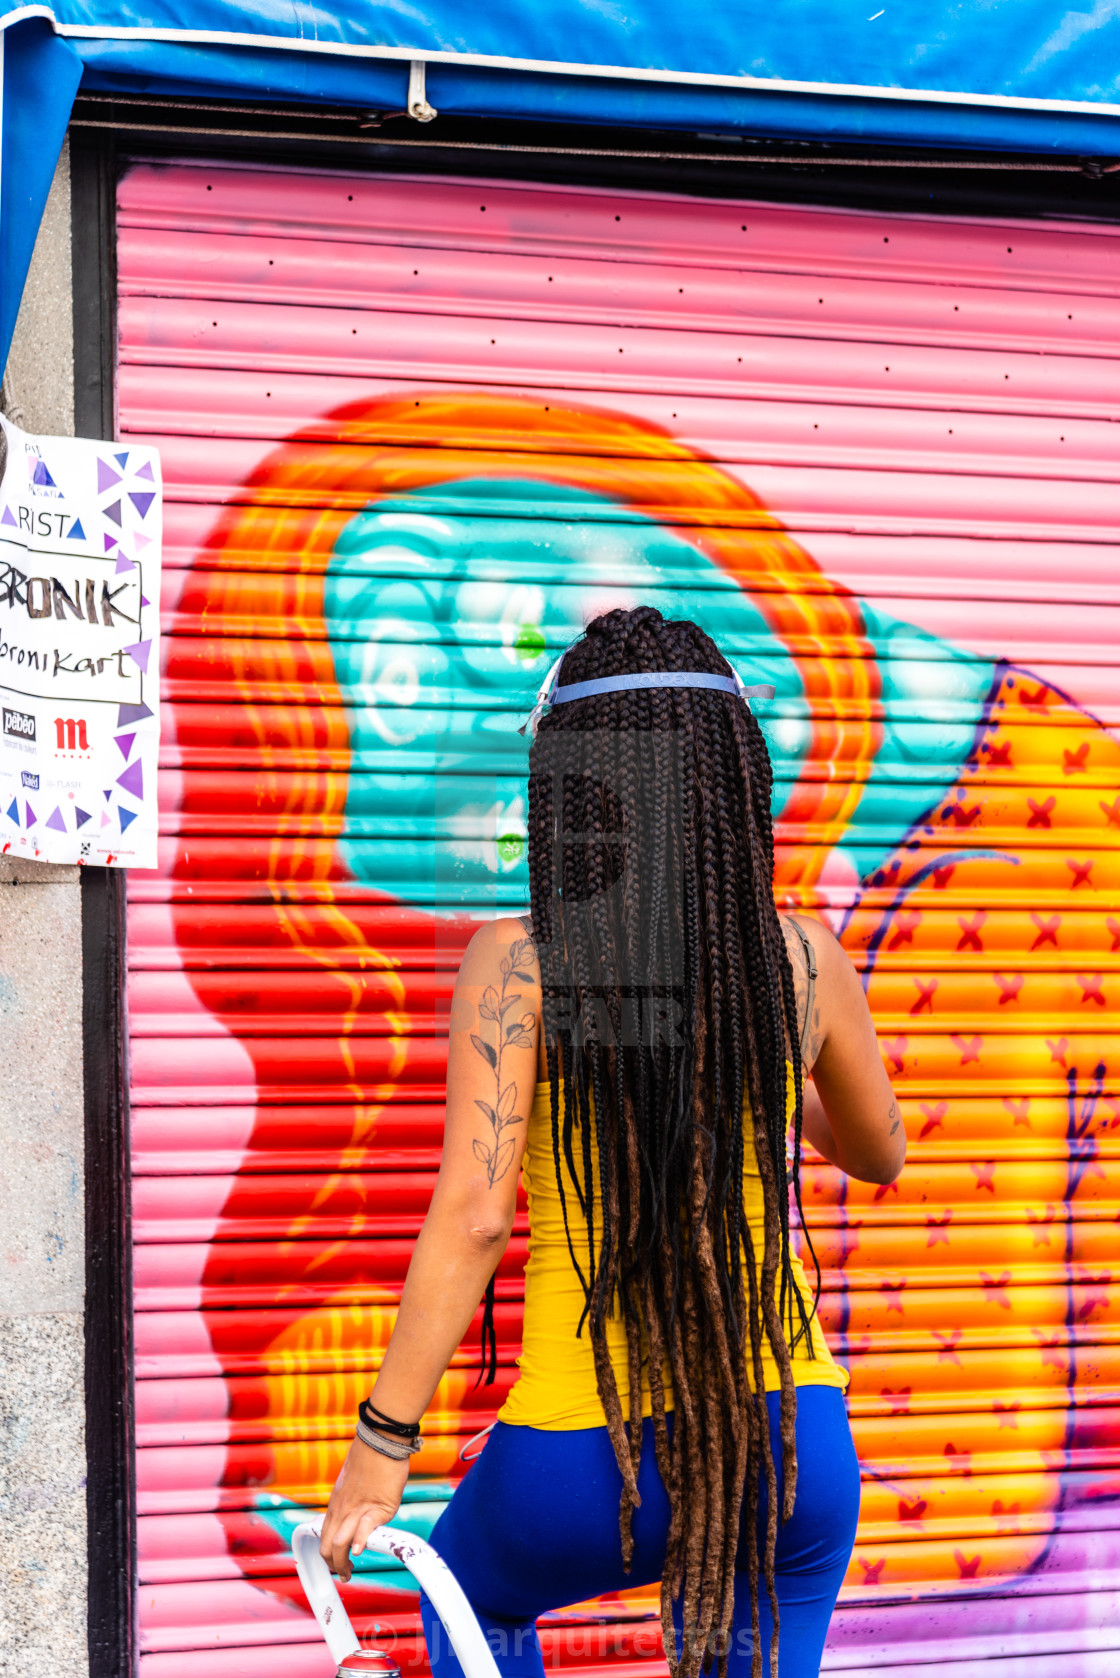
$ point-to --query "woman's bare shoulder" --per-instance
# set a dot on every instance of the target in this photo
(501, 940)
(836, 987)
(826, 947)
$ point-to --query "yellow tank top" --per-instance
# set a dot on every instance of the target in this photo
(556, 1388)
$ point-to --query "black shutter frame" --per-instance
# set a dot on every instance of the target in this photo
(109, 1364)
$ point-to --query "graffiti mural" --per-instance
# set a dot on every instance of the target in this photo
(364, 596)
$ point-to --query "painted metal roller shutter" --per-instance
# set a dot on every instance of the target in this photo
(877, 456)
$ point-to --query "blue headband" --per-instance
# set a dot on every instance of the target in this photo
(550, 694)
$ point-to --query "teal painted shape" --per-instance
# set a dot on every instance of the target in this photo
(446, 609)
(935, 697)
(422, 1504)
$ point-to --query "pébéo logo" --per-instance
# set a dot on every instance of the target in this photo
(19, 723)
(70, 734)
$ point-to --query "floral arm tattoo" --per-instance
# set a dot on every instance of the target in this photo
(512, 1031)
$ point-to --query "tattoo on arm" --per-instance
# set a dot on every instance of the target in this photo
(512, 1031)
(895, 1115)
(813, 1036)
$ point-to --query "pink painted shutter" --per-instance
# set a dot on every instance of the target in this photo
(897, 435)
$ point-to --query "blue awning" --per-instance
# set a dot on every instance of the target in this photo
(1016, 51)
(1005, 74)
(39, 76)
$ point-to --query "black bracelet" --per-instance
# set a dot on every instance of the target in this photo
(374, 1418)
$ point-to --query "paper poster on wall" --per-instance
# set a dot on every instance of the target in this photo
(80, 539)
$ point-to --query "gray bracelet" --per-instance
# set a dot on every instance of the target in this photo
(398, 1450)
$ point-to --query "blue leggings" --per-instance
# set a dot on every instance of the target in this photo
(534, 1527)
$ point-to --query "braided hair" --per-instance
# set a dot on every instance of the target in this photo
(668, 1010)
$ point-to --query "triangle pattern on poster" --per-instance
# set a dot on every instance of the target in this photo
(13, 812)
(113, 513)
(75, 532)
(123, 563)
(138, 653)
(145, 471)
(104, 818)
(82, 815)
(57, 820)
(140, 541)
(127, 818)
(32, 818)
(110, 543)
(121, 459)
(142, 500)
(106, 476)
(108, 793)
(132, 713)
(132, 780)
(124, 741)
(144, 601)
(41, 475)
(8, 517)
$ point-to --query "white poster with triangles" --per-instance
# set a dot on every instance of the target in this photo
(80, 538)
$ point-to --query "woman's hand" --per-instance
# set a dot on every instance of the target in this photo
(366, 1494)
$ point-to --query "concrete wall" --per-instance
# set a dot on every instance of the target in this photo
(42, 1235)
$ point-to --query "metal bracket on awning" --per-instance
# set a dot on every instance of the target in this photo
(418, 106)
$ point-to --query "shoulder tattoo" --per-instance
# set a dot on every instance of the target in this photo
(499, 1020)
(813, 1035)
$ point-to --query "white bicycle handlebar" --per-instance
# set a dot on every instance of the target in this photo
(429, 1570)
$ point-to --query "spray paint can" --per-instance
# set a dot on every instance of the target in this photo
(368, 1663)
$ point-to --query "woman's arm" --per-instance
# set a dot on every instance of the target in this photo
(849, 1112)
(491, 1077)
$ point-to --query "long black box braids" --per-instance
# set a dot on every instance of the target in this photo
(668, 1014)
